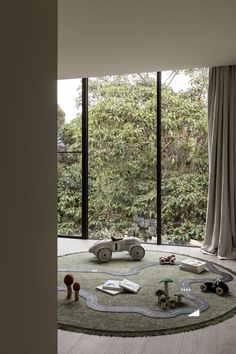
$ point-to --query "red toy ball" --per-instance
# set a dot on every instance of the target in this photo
(68, 280)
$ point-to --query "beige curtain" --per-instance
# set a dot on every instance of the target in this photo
(220, 237)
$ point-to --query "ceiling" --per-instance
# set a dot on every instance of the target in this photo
(104, 37)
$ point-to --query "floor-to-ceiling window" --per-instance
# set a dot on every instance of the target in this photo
(69, 153)
(124, 132)
(122, 155)
(184, 156)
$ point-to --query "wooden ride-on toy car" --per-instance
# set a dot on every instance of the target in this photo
(218, 286)
(103, 249)
(167, 260)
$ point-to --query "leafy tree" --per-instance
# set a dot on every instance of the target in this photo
(122, 152)
(185, 160)
(60, 118)
(69, 175)
(122, 157)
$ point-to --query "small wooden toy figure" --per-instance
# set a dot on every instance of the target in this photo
(166, 286)
(163, 300)
(68, 280)
(159, 292)
(76, 288)
(179, 296)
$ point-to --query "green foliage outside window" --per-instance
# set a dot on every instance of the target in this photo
(122, 159)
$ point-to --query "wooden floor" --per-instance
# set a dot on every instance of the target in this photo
(217, 339)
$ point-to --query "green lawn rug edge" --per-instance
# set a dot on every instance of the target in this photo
(109, 331)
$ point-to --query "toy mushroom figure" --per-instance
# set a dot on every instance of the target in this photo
(76, 288)
(163, 300)
(171, 302)
(68, 280)
(166, 285)
(159, 292)
(179, 298)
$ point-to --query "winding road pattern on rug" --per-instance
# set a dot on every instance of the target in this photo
(200, 303)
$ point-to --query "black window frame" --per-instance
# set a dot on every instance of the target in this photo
(85, 161)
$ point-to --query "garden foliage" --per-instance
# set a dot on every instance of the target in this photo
(122, 159)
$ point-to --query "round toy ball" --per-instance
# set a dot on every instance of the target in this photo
(68, 280)
(76, 286)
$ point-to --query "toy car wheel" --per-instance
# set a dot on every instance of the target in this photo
(137, 252)
(104, 255)
(172, 261)
(203, 287)
(219, 291)
(162, 261)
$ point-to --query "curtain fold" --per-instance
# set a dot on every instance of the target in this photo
(220, 236)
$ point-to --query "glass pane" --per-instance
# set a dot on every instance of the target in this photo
(69, 157)
(122, 156)
(184, 156)
(69, 190)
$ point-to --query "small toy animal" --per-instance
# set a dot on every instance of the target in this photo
(163, 300)
(159, 292)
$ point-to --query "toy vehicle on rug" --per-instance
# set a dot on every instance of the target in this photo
(219, 287)
(103, 249)
(167, 260)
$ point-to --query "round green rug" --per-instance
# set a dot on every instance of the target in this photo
(144, 317)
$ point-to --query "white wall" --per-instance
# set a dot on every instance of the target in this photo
(108, 37)
(28, 176)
